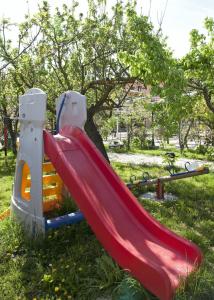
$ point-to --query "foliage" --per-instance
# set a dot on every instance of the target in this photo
(64, 51)
(106, 125)
(182, 84)
(135, 116)
(207, 151)
(198, 64)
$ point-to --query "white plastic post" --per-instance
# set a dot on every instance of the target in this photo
(74, 111)
(32, 115)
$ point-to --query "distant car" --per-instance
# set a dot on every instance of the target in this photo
(116, 144)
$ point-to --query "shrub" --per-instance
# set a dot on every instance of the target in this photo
(201, 149)
(210, 153)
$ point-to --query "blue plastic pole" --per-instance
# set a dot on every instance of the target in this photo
(71, 218)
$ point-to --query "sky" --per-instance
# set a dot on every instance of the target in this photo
(180, 17)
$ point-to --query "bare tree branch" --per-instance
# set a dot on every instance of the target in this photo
(12, 60)
(160, 21)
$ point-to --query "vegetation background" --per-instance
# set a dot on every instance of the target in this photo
(100, 56)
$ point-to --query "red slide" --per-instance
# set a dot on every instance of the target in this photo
(154, 255)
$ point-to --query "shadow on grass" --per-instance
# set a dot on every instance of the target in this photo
(71, 264)
(62, 264)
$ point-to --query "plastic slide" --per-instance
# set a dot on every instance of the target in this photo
(154, 255)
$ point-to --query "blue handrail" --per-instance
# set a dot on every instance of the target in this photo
(59, 114)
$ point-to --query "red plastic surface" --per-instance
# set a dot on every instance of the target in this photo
(157, 257)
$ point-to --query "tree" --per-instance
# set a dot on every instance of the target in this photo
(177, 116)
(105, 123)
(136, 116)
(8, 107)
(198, 64)
(92, 55)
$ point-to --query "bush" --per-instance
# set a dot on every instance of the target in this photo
(201, 149)
(210, 153)
(136, 142)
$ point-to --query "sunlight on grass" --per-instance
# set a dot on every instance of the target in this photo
(187, 153)
(7, 169)
(71, 264)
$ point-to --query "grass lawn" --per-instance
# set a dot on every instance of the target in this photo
(7, 167)
(191, 154)
(71, 264)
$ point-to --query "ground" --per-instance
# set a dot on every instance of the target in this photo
(71, 264)
(139, 159)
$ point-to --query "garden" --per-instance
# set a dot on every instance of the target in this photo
(149, 125)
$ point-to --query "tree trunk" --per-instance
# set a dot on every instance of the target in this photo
(181, 145)
(95, 136)
(208, 99)
(183, 137)
(153, 132)
(187, 133)
(129, 135)
(12, 134)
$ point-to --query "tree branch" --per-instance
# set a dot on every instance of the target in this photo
(12, 60)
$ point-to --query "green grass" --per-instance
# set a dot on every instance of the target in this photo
(191, 154)
(7, 168)
(71, 264)
(192, 216)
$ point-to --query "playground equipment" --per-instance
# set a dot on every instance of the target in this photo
(159, 182)
(157, 257)
(37, 186)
